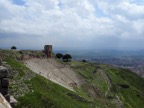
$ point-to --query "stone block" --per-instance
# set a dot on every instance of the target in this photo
(4, 91)
(13, 101)
(0, 62)
(7, 97)
(3, 72)
(3, 102)
(5, 82)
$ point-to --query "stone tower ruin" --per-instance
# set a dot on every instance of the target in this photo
(48, 50)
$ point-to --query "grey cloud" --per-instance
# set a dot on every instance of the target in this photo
(71, 23)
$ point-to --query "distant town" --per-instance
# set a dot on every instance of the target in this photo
(135, 64)
(132, 60)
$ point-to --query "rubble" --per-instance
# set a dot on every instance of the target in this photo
(4, 83)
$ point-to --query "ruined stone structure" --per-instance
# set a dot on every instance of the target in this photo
(4, 82)
(3, 102)
(48, 50)
(0, 62)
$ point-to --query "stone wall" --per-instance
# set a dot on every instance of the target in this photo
(4, 83)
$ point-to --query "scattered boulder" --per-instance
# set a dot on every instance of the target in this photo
(5, 82)
(21, 52)
(74, 96)
(4, 91)
(94, 71)
(3, 72)
(0, 62)
(74, 85)
(7, 97)
(13, 101)
(124, 86)
(3, 102)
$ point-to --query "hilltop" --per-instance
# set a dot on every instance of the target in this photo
(97, 85)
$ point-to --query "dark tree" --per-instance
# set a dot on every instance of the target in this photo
(67, 57)
(13, 47)
(59, 55)
(84, 60)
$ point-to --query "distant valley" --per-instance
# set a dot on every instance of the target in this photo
(133, 60)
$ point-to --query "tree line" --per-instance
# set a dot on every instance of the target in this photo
(65, 58)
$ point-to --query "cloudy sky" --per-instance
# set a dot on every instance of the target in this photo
(72, 24)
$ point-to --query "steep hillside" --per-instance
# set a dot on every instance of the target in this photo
(33, 91)
(101, 86)
(128, 86)
(115, 87)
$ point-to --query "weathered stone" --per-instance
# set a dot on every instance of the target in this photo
(0, 62)
(7, 97)
(4, 91)
(3, 72)
(48, 50)
(13, 101)
(3, 102)
(5, 82)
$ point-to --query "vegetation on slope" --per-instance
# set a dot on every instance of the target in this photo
(96, 85)
(129, 86)
(34, 91)
(103, 87)
(115, 87)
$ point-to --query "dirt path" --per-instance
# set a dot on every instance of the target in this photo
(55, 72)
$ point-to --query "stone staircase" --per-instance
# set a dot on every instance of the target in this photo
(55, 72)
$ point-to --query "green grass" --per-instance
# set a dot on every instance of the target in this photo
(93, 77)
(16, 66)
(47, 94)
(91, 74)
(34, 91)
(100, 82)
(84, 69)
(132, 97)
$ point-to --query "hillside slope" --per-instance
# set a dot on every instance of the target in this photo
(34, 91)
(101, 86)
(116, 87)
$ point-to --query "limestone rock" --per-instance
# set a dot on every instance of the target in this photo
(7, 97)
(5, 82)
(3, 102)
(3, 72)
(13, 101)
(0, 62)
(4, 91)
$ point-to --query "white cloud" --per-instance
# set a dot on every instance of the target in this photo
(139, 27)
(57, 21)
